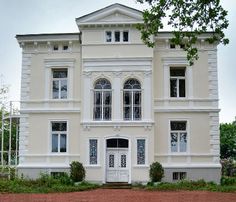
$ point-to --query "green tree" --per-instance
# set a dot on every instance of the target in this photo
(187, 19)
(228, 140)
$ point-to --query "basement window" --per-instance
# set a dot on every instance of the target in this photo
(179, 176)
(172, 46)
(56, 47)
(65, 47)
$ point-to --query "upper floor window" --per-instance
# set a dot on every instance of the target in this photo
(117, 36)
(178, 136)
(102, 100)
(177, 82)
(132, 100)
(59, 83)
(59, 136)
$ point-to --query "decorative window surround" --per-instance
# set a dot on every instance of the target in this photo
(88, 153)
(145, 152)
(60, 63)
(177, 62)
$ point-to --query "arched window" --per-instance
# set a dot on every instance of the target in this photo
(132, 100)
(102, 100)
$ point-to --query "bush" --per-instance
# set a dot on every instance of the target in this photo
(228, 180)
(77, 171)
(156, 172)
(228, 167)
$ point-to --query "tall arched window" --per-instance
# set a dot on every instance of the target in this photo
(132, 100)
(102, 100)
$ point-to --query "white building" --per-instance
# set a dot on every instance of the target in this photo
(102, 97)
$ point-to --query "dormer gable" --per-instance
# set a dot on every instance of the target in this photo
(115, 14)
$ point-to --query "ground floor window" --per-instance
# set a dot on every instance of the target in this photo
(59, 136)
(140, 151)
(179, 176)
(58, 174)
(93, 151)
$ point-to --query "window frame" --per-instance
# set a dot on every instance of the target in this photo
(98, 152)
(103, 105)
(132, 105)
(179, 176)
(121, 36)
(59, 133)
(178, 78)
(60, 80)
(145, 152)
(186, 131)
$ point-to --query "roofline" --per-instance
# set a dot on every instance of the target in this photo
(99, 10)
(169, 35)
(48, 37)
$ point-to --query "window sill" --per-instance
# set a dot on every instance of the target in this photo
(141, 166)
(93, 166)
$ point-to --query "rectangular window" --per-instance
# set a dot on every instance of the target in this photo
(59, 136)
(178, 136)
(117, 36)
(179, 176)
(108, 36)
(93, 150)
(125, 36)
(59, 83)
(141, 151)
(177, 82)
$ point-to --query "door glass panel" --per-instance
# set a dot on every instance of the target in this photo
(123, 161)
(111, 161)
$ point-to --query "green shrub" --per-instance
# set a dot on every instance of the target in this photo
(156, 172)
(228, 167)
(77, 171)
(228, 180)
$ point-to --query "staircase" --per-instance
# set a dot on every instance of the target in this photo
(116, 185)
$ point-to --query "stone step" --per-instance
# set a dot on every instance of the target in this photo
(116, 185)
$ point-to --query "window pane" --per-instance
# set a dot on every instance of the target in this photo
(178, 125)
(123, 143)
(117, 36)
(55, 89)
(175, 175)
(59, 126)
(63, 143)
(54, 142)
(127, 98)
(108, 36)
(127, 113)
(132, 84)
(112, 143)
(111, 161)
(137, 98)
(60, 73)
(182, 88)
(63, 89)
(174, 141)
(107, 98)
(97, 113)
(182, 175)
(173, 87)
(123, 161)
(183, 142)
(107, 113)
(97, 98)
(137, 113)
(125, 36)
(102, 84)
(176, 71)
(93, 151)
(140, 151)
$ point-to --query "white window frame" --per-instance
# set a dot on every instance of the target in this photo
(178, 78)
(60, 80)
(113, 36)
(98, 152)
(179, 176)
(60, 63)
(188, 137)
(59, 133)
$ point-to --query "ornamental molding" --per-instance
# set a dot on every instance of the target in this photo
(59, 62)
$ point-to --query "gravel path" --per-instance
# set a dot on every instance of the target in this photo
(120, 195)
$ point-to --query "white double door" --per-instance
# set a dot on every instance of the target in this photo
(117, 169)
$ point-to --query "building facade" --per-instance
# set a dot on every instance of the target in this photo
(102, 97)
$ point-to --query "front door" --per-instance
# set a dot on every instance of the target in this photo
(117, 164)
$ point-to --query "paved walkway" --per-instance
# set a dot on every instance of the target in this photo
(118, 195)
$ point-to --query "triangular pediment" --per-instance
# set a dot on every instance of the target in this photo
(113, 14)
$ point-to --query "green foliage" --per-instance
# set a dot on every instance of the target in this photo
(192, 185)
(228, 140)
(45, 184)
(228, 180)
(228, 167)
(156, 172)
(187, 19)
(77, 171)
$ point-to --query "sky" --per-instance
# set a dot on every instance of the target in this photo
(58, 16)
